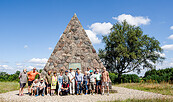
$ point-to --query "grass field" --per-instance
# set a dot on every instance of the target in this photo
(162, 88)
(8, 86)
(145, 100)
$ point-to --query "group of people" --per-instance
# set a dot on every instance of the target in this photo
(71, 82)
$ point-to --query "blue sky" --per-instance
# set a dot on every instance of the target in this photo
(30, 29)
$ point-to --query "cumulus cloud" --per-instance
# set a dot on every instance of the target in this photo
(26, 46)
(171, 27)
(170, 37)
(133, 20)
(38, 60)
(168, 47)
(50, 48)
(161, 54)
(101, 28)
(92, 36)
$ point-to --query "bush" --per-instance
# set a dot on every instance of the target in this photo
(165, 75)
(113, 77)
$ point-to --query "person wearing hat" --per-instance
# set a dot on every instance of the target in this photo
(31, 78)
(72, 81)
(66, 77)
(41, 87)
(92, 80)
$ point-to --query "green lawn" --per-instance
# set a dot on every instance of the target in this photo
(162, 88)
(145, 100)
(8, 86)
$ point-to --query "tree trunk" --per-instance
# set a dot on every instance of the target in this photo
(119, 77)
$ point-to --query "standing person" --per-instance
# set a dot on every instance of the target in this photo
(54, 82)
(77, 71)
(66, 77)
(72, 81)
(48, 81)
(79, 81)
(60, 82)
(95, 70)
(105, 80)
(31, 78)
(88, 71)
(98, 81)
(86, 81)
(41, 87)
(92, 80)
(23, 80)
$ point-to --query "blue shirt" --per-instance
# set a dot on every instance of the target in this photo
(60, 78)
(79, 77)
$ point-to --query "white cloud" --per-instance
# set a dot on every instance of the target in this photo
(30, 67)
(94, 39)
(133, 20)
(161, 54)
(168, 47)
(171, 27)
(170, 37)
(38, 60)
(26, 46)
(18, 64)
(50, 48)
(101, 28)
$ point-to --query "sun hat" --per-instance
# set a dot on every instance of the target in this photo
(70, 68)
(66, 71)
(91, 71)
(41, 78)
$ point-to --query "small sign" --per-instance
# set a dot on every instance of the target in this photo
(74, 66)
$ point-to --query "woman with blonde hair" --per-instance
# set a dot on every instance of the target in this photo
(54, 82)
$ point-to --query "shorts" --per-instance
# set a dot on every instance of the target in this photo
(30, 83)
(98, 82)
(48, 85)
(105, 84)
(91, 86)
(22, 85)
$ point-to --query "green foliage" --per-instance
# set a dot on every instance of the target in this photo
(128, 49)
(126, 78)
(159, 75)
(7, 77)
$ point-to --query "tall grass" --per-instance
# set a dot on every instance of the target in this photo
(8, 86)
(162, 88)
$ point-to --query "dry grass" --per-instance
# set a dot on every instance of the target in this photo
(8, 86)
(162, 88)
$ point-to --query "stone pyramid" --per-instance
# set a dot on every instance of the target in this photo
(74, 46)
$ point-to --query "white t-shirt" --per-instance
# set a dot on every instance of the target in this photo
(71, 75)
(92, 78)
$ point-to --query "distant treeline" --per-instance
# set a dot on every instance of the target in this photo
(154, 75)
(4, 76)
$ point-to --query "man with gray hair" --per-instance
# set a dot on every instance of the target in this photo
(105, 80)
(23, 80)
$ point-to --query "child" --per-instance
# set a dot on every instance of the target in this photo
(53, 84)
(60, 80)
(34, 88)
(86, 80)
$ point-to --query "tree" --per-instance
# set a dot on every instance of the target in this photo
(128, 49)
